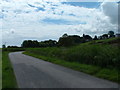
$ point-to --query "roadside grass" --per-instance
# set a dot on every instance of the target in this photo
(105, 73)
(108, 73)
(100, 55)
(8, 77)
(0, 68)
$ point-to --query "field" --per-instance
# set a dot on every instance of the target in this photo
(8, 77)
(99, 58)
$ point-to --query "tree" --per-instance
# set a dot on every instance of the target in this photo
(30, 43)
(76, 39)
(48, 43)
(83, 35)
(12, 47)
(65, 41)
(111, 34)
(70, 40)
(104, 36)
(65, 35)
(95, 38)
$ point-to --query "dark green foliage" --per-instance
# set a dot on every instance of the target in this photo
(12, 47)
(65, 35)
(48, 43)
(104, 36)
(67, 41)
(95, 38)
(30, 43)
(87, 37)
(111, 34)
(35, 43)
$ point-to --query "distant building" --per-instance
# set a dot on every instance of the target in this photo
(117, 35)
(3, 46)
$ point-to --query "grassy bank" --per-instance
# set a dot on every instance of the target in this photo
(0, 68)
(8, 77)
(98, 59)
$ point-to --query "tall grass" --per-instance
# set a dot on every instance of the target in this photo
(100, 55)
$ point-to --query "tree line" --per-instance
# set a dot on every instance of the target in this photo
(35, 43)
(65, 41)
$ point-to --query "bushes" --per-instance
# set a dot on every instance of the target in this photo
(13, 49)
(100, 55)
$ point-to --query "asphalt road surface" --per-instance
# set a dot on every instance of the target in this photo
(31, 72)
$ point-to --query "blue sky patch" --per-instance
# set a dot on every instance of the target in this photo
(84, 4)
(1, 16)
(40, 9)
(62, 21)
(37, 8)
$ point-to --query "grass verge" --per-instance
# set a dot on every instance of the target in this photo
(105, 73)
(8, 77)
(0, 68)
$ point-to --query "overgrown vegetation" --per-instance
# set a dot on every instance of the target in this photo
(8, 77)
(101, 60)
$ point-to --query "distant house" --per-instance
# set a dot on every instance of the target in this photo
(117, 35)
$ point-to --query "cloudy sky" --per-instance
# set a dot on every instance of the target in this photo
(49, 19)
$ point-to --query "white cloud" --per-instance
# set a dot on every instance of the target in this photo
(20, 21)
(111, 10)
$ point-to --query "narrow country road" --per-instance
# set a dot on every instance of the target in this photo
(31, 72)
